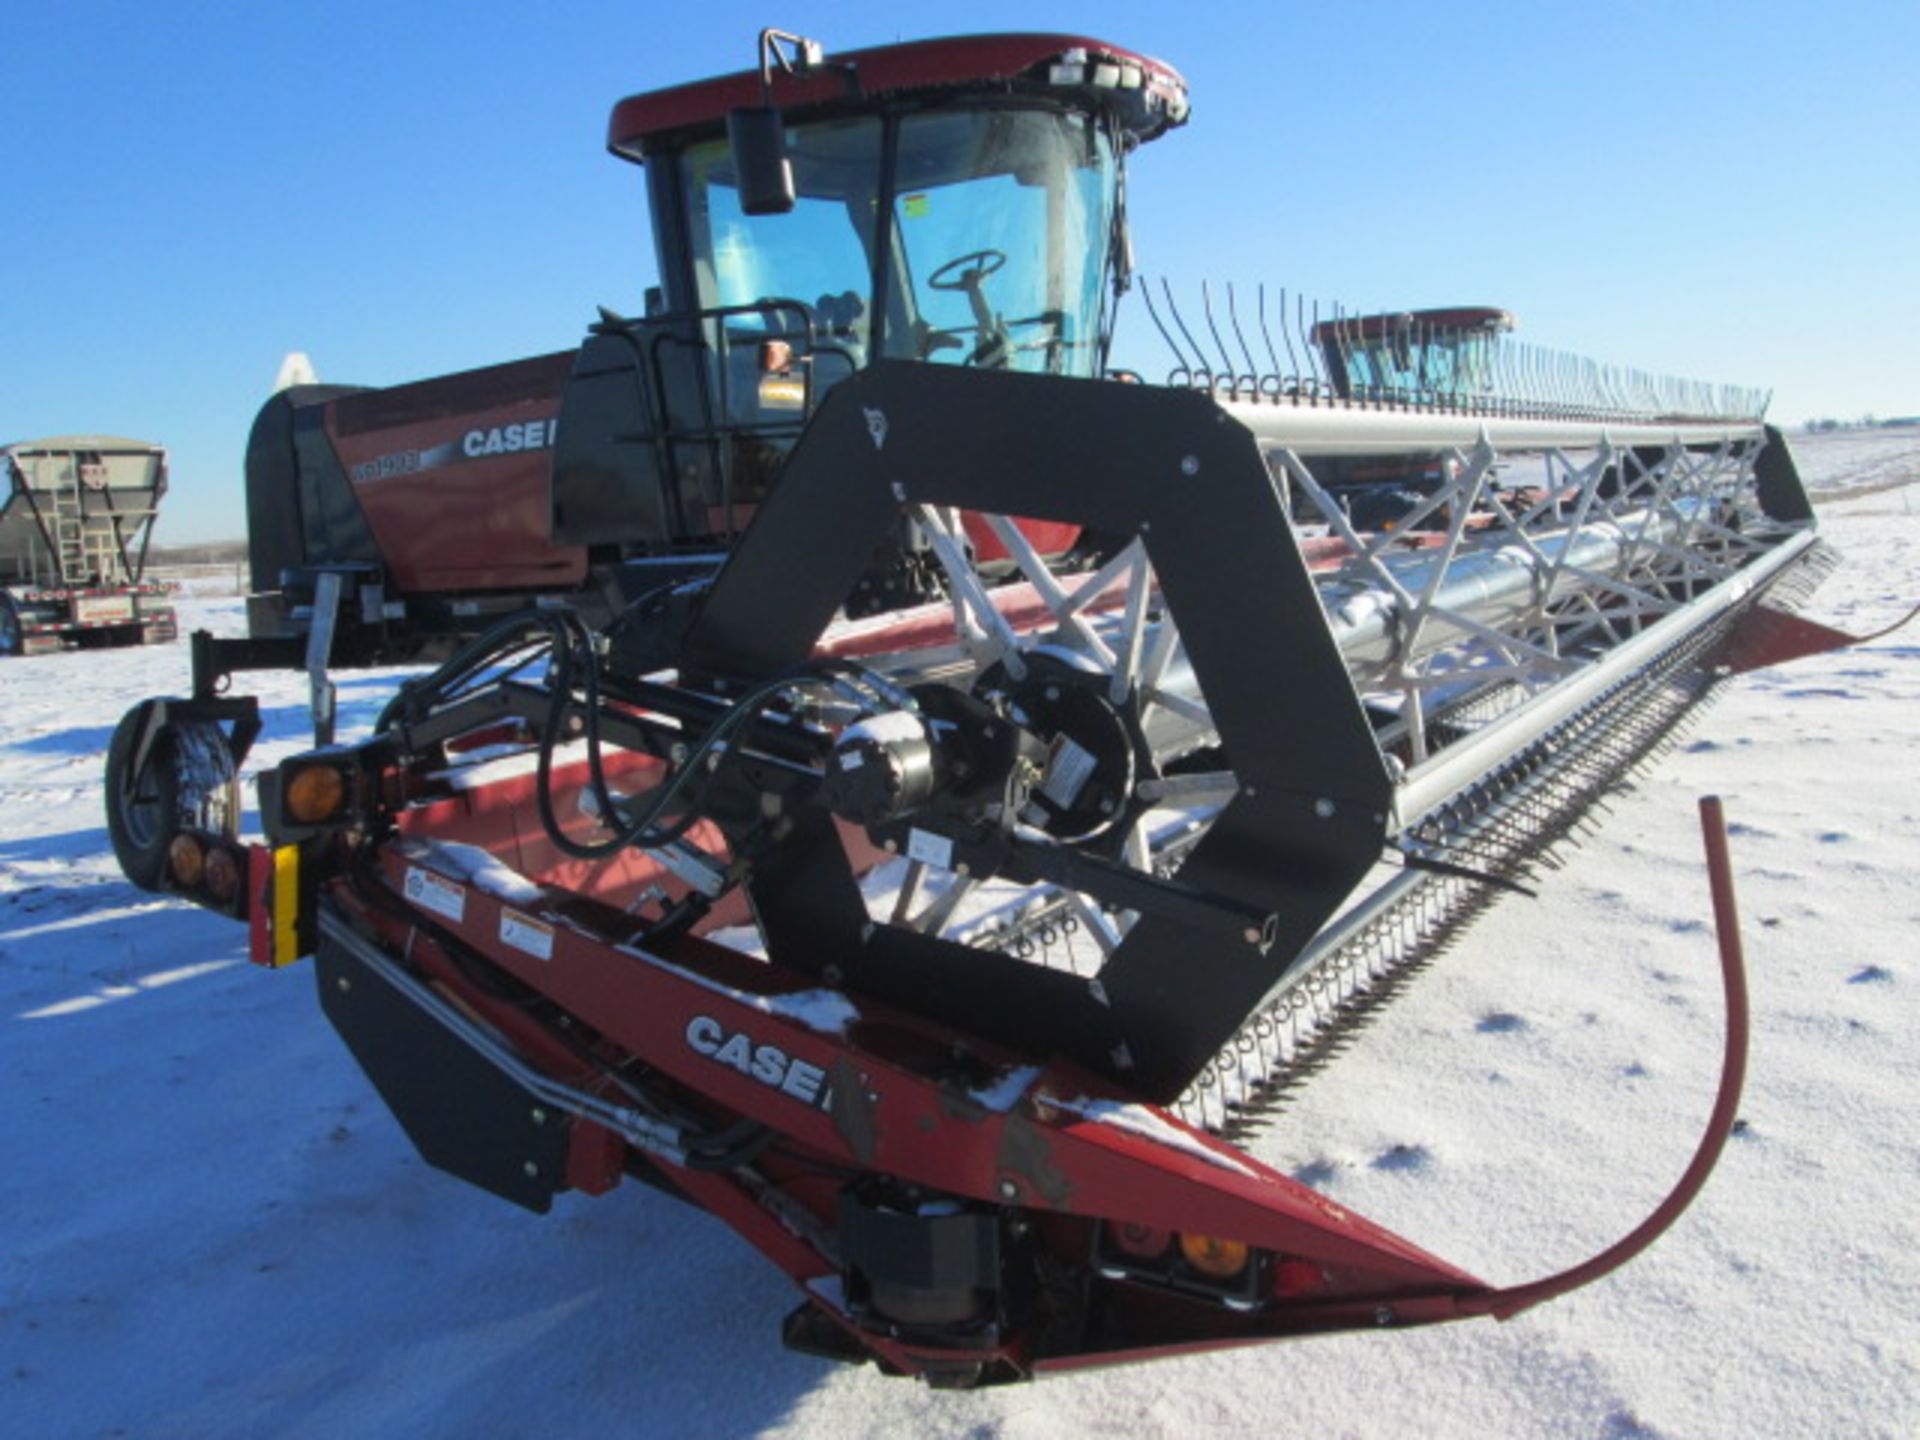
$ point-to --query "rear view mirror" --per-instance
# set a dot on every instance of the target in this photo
(758, 141)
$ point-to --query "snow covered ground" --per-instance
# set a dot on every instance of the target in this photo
(212, 1228)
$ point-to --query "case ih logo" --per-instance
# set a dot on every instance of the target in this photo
(768, 1064)
(508, 439)
(476, 444)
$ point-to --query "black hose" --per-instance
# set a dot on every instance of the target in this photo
(645, 829)
(415, 697)
(570, 646)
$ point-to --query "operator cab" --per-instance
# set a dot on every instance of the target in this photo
(955, 201)
(950, 202)
(1408, 357)
(1444, 355)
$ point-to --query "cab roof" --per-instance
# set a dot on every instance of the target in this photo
(1147, 95)
(1471, 319)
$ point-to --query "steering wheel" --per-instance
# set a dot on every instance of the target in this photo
(965, 278)
(966, 273)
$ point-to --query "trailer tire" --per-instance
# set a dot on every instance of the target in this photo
(190, 780)
(13, 630)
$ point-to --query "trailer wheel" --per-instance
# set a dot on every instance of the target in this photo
(13, 632)
(189, 780)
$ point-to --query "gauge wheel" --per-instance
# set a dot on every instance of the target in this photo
(189, 780)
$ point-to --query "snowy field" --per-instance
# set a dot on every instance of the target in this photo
(212, 1228)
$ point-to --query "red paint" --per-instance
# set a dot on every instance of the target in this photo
(1478, 319)
(956, 62)
(463, 523)
(1766, 636)
(594, 1158)
(260, 905)
(925, 1129)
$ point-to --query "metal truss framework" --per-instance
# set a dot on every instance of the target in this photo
(1551, 595)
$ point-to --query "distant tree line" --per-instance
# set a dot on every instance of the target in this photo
(1869, 421)
(210, 552)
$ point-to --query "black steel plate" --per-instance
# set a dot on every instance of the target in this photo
(463, 1115)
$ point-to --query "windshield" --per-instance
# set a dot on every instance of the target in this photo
(1001, 220)
(999, 237)
(820, 254)
(1446, 363)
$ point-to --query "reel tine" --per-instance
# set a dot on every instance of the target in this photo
(1180, 366)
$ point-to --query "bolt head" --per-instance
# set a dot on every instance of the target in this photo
(539, 1116)
(1189, 464)
(530, 1170)
(1009, 1190)
(1323, 808)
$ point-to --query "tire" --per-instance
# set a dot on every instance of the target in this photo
(190, 780)
(13, 634)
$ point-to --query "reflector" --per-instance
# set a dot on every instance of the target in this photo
(223, 869)
(186, 860)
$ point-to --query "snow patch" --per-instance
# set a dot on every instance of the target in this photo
(828, 1012)
(1150, 1125)
(1003, 1094)
(475, 866)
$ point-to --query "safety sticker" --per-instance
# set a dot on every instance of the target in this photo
(1069, 767)
(436, 893)
(930, 849)
(526, 934)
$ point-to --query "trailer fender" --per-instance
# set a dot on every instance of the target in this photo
(13, 630)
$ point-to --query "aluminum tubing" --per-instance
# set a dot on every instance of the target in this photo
(1439, 779)
(1341, 429)
(1495, 587)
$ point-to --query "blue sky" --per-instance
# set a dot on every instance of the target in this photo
(1727, 191)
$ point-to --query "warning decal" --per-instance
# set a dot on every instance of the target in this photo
(436, 893)
(526, 934)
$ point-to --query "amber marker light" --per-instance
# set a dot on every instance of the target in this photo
(1222, 1259)
(223, 874)
(314, 793)
(186, 861)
